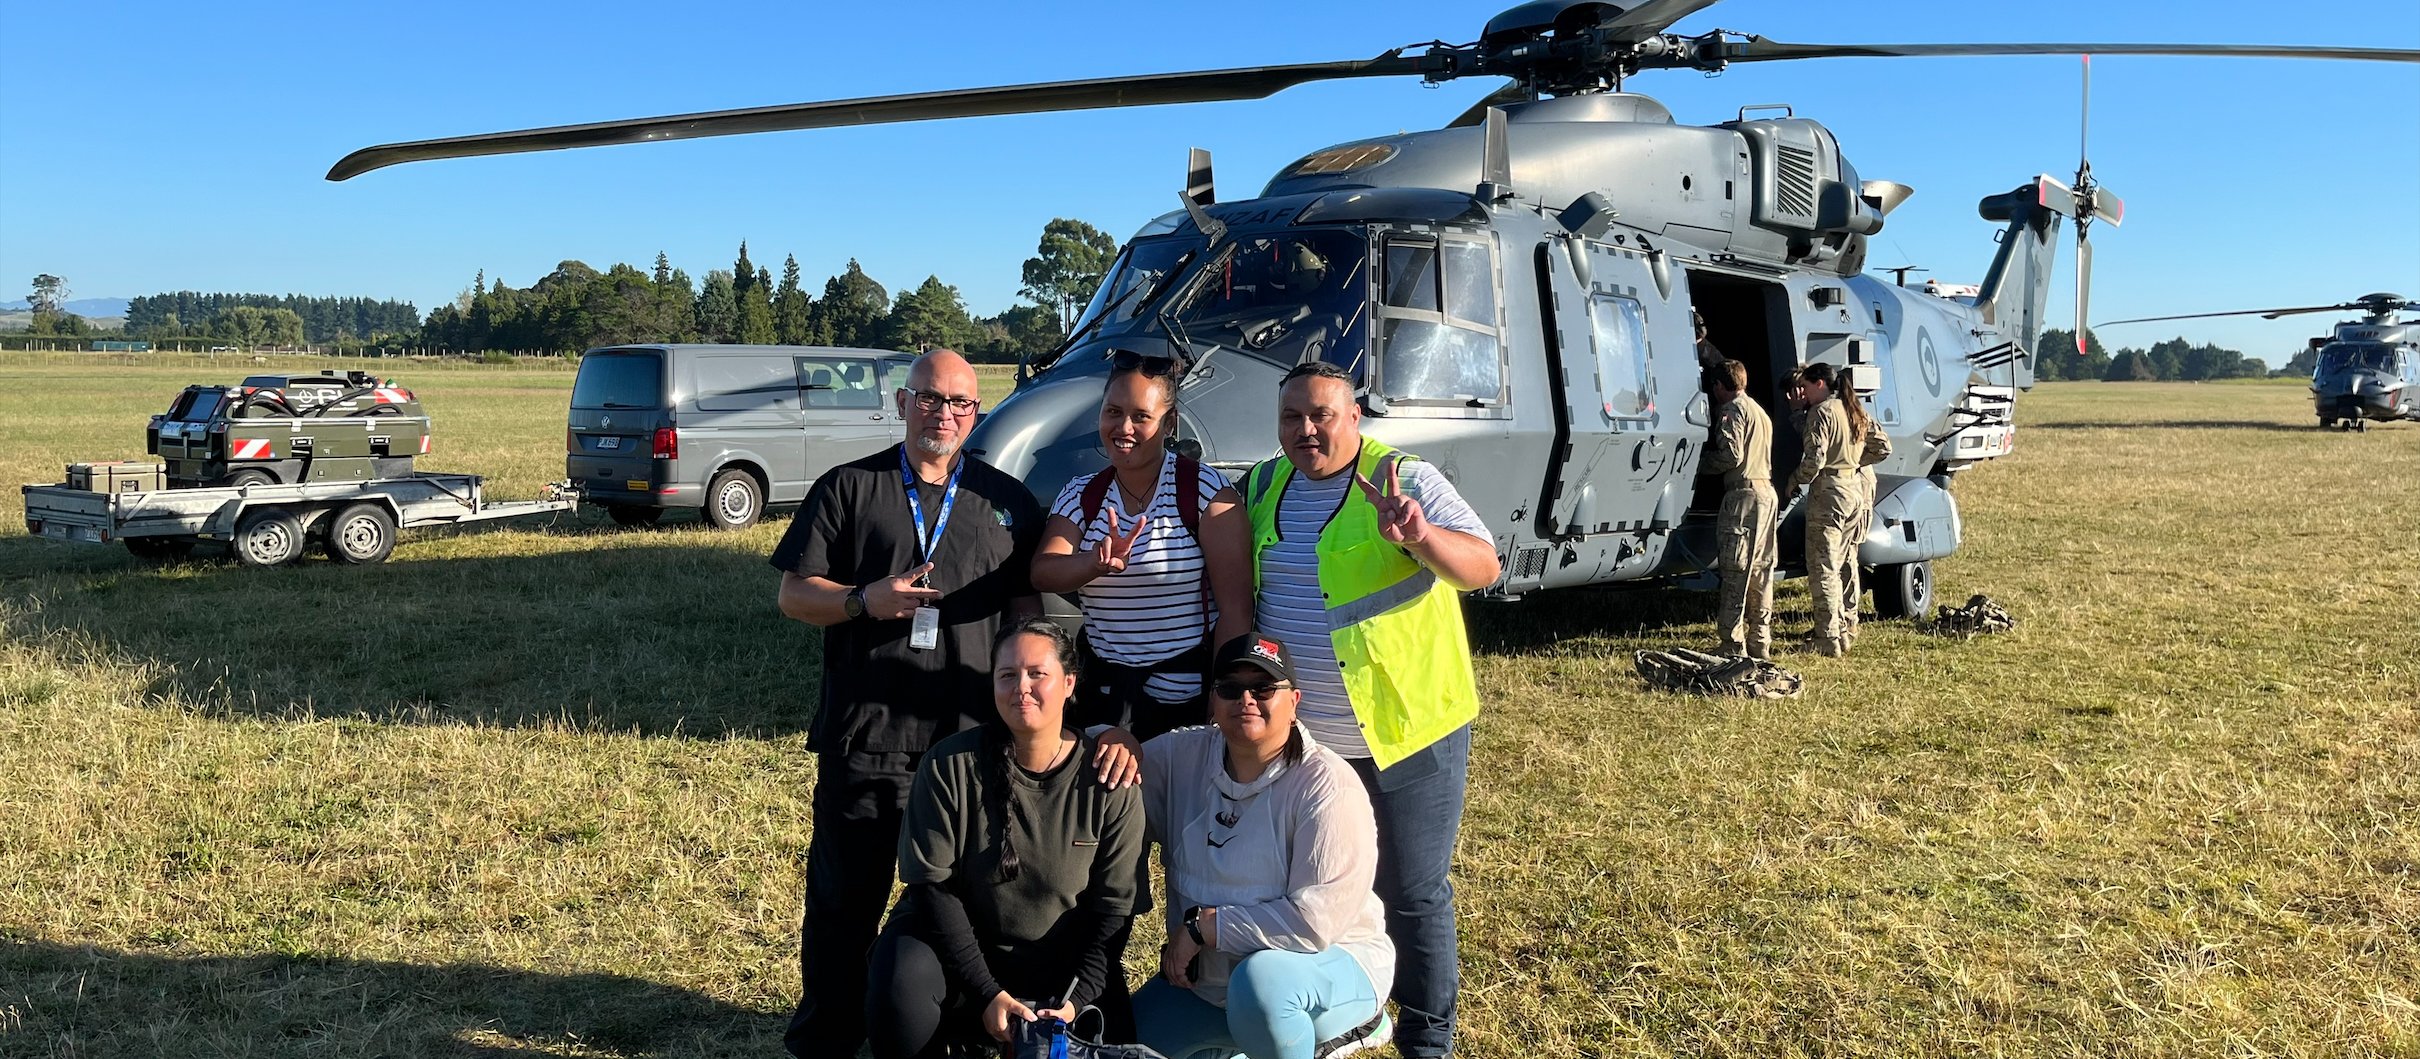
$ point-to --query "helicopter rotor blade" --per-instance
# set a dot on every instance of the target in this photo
(1510, 92)
(1201, 86)
(1650, 18)
(2083, 288)
(2266, 313)
(1762, 49)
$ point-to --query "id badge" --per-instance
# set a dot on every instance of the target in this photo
(924, 629)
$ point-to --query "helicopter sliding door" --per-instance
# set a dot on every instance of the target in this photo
(1628, 375)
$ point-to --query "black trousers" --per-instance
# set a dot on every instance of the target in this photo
(851, 859)
(915, 1009)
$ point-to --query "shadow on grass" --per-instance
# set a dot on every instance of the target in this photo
(671, 634)
(1544, 619)
(78, 1000)
(2178, 424)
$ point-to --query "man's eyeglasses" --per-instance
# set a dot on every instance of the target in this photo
(928, 401)
(1154, 367)
(1235, 690)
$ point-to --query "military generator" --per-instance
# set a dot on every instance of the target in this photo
(290, 430)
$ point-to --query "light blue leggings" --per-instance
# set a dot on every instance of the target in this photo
(1280, 1005)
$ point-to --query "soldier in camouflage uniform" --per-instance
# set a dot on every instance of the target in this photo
(1828, 471)
(1741, 450)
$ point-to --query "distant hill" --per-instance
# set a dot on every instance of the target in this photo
(87, 308)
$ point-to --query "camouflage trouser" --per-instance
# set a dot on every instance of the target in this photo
(1745, 556)
(1852, 579)
(1831, 507)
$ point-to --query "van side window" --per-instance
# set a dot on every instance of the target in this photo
(733, 383)
(839, 382)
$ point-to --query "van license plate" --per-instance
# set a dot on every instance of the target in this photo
(609, 443)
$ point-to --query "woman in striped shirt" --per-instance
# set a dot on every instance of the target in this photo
(1158, 552)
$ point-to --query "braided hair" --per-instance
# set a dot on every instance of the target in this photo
(1006, 809)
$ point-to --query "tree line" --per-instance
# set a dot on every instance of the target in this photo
(577, 307)
(2174, 360)
(190, 314)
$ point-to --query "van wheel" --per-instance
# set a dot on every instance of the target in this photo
(160, 549)
(361, 534)
(733, 501)
(626, 515)
(267, 538)
(1903, 590)
(249, 476)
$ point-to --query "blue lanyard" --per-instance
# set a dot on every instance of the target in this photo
(941, 523)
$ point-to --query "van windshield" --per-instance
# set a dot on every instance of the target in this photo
(619, 380)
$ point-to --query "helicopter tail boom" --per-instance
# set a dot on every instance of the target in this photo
(2015, 294)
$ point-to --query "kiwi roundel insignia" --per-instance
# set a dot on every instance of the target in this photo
(1929, 361)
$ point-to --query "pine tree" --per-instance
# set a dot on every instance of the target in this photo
(717, 309)
(793, 311)
(852, 309)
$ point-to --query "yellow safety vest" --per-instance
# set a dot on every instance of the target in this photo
(1395, 625)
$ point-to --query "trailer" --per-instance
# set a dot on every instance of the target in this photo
(269, 524)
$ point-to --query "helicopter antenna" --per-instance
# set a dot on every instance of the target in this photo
(1899, 272)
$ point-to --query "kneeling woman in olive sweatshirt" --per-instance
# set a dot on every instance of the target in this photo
(1018, 863)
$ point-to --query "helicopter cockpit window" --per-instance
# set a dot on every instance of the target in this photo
(1291, 297)
(1438, 322)
(1620, 329)
(1138, 268)
(2377, 358)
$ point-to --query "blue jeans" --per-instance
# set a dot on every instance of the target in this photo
(1419, 807)
(1280, 1005)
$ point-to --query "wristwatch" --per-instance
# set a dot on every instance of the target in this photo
(1193, 925)
(854, 604)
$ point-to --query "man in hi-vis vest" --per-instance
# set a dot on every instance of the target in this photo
(1359, 555)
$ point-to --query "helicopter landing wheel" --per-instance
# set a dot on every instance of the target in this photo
(1903, 590)
(2325, 422)
(2360, 426)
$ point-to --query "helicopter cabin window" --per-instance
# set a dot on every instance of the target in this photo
(1620, 330)
(1438, 328)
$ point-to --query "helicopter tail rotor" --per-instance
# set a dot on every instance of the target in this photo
(2089, 202)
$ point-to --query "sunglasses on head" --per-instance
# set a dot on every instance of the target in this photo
(1235, 690)
(1124, 361)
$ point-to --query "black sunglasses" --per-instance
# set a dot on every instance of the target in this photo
(1152, 367)
(1233, 690)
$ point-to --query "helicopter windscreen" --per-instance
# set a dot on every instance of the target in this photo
(2364, 357)
(1288, 297)
(1143, 265)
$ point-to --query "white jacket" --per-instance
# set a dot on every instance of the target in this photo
(1287, 859)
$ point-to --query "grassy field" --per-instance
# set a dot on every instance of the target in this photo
(541, 790)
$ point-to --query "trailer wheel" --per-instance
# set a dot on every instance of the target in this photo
(1903, 590)
(361, 534)
(733, 501)
(160, 549)
(267, 538)
(249, 476)
(627, 515)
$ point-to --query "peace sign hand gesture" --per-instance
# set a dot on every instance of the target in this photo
(1400, 519)
(1109, 556)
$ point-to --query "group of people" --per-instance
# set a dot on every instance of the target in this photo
(1273, 687)
(1840, 446)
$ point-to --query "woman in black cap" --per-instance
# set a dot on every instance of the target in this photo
(1276, 939)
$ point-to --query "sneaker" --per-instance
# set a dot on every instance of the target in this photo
(1367, 1037)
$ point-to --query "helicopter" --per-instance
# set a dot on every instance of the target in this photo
(2369, 369)
(1513, 293)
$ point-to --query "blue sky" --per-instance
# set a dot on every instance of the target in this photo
(149, 147)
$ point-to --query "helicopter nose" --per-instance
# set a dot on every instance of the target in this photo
(1044, 434)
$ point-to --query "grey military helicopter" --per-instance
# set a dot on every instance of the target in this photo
(2369, 369)
(1513, 292)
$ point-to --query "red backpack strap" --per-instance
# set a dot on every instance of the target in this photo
(1189, 495)
(1096, 493)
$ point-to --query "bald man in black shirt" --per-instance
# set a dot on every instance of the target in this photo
(908, 559)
